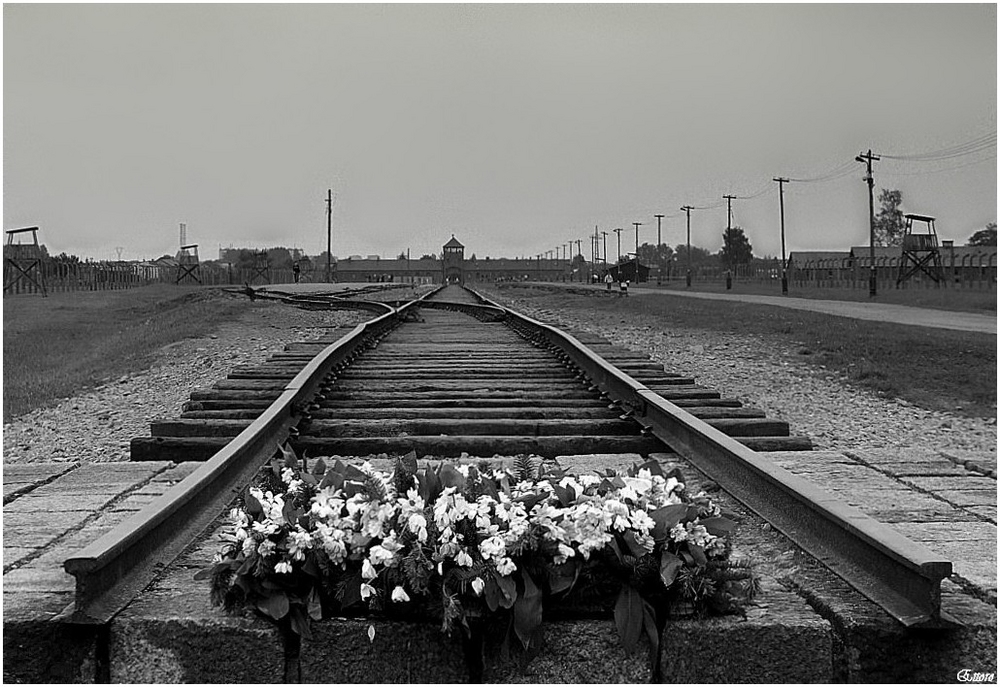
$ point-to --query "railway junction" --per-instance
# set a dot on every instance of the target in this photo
(874, 564)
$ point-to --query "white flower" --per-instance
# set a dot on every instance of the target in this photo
(464, 559)
(506, 566)
(266, 548)
(478, 585)
(493, 547)
(287, 475)
(367, 590)
(367, 570)
(299, 541)
(678, 533)
(399, 595)
(283, 567)
(417, 524)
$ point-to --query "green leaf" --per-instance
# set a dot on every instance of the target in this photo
(291, 460)
(349, 592)
(670, 565)
(698, 554)
(649, 626)
(720, 527)
(490, 488)
(409, 463)
(318, 467)
(353, 472)
(562, 577)
(653, 466)
(566, 495)
(676, 474)
(628, 618)
(315, 607)
(492, 594)
(451, 477)
(430, 485)
(274, 605)
(206, 573)
(531, 500)
(636, 549)
(508, 591)
(665, 519)
(528, 611)
(252, 506)
(300, 622)
(332, 479)
(613, 545)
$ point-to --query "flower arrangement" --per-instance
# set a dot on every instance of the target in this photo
(468, 541)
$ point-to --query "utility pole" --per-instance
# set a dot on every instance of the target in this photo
(579, 251)
(781, 202)
(605, 235)
(329, 220)
(729, 238)
(870, 178)
(637, 225)
(688, 209)
(659, 264)
(619, 231)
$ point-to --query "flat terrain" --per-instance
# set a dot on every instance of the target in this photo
(58, 346)
(947, 298)
(935, 369)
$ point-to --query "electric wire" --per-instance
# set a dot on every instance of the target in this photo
(969, 147)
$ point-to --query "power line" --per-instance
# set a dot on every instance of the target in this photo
(969, 147)
(943, 169)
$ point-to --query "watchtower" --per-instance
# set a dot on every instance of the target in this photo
(23, 260)
(453, 262)
(261, 267)
(920, 251)
(188, 264)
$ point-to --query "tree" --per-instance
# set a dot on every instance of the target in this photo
(699, 256)
(889, 223)
(736, 248)
(428, 256)
(984, 237)
(401, 256)
(655, 255)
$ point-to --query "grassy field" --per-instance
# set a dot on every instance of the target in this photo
(58, 346)
(935, 369)
(963, 300)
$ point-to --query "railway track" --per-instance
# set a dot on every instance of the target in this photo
(452, 374)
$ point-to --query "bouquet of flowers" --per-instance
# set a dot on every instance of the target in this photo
(468, 541)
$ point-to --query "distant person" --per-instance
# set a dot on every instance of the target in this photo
(607, 281)
(295, 271)
(623, 288)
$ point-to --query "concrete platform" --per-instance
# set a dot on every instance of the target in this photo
(807, 626)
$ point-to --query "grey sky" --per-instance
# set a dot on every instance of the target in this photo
(515, 127)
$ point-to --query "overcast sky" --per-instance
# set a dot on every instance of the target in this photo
(515, 127)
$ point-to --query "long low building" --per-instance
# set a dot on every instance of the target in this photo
(452, 267)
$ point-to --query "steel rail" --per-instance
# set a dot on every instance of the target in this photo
(112, 570)
(901, 576)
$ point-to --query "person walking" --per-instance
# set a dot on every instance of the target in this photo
(607, 280)
(295, 271)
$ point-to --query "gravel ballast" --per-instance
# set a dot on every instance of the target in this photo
(777, 378)
(97, 425)
(767, 374)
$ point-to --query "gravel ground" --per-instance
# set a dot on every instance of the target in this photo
(767, 374)
(775, 377)
(97, 426)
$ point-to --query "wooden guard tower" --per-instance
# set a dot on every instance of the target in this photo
(920, 251)
(261, 267)
(23, 260)
(188, 264)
